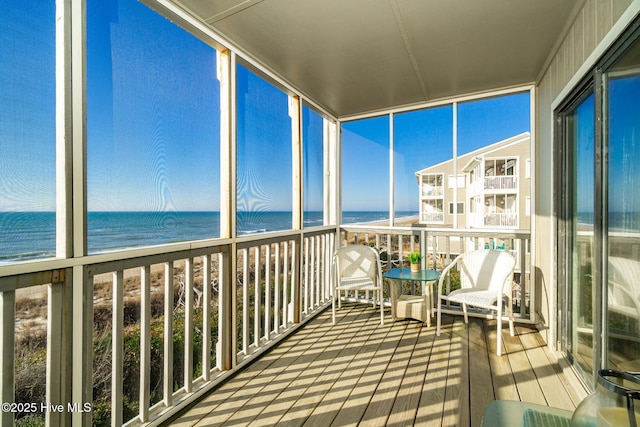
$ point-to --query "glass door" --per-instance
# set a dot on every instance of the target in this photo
(579, 125)
(622, 131)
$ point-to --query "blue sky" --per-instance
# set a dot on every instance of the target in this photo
(27, 107)
(152, 113)
(153, 124)
(421, 139)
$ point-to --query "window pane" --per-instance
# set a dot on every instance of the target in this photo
(423, 148)
(623, 292)
(365, 170)
(580, 125)
(264, 159)
(313, 168)
(27, 130)
(153, 130)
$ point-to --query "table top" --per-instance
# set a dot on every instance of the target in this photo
(407, 274)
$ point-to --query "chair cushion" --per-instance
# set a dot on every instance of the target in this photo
(507, 413)
(356, 283)
(482, 299)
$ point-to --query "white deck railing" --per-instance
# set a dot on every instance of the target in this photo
(149, 331)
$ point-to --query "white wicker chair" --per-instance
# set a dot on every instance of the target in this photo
(623, 294)
(485, 280)
(357, 267)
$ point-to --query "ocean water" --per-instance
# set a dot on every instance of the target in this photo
(30, 235)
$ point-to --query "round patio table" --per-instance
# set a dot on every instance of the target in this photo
(419, 307)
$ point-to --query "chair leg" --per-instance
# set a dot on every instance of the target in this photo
(381, 308)
(499, 329)
(438, 316)
(333, 307)
(510, 308)
(466, 316)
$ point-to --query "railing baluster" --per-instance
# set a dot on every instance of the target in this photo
(188, 325)
(285, 286)
(168, 334)
(206, 317)
(145, 341)
(117, 345)
(257, 298)
(245, 301)
(277, 291)
(305, 284)
(312, 270)
(317, 272)
(267, 293)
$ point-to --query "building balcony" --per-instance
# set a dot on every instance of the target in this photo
(502, 184)
(432, 217)
(501, 220)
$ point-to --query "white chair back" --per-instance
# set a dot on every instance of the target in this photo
(485, 269)
(356, 261)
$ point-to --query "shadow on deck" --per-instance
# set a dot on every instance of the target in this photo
(358, 372)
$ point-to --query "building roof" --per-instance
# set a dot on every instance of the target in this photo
(485, 151)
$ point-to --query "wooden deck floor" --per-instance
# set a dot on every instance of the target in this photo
(358, 372)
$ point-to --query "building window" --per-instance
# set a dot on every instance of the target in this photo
(460, 209)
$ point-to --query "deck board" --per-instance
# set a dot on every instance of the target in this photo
(360, 373)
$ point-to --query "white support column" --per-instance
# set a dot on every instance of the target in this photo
(455, 168)
(64, 131)
(7, 352)
(226, 77)
(392, 218)
(117, 347)
(58, 348)
(295, 113)
(82, 352)
(335, 191)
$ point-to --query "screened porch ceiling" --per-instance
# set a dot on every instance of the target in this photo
(358, 56)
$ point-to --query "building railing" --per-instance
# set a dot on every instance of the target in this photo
(508, 220)
(132, 337)
(504, 182)
(433, 217)
(437, 191)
